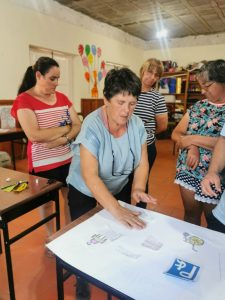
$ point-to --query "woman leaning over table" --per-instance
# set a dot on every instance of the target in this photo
(111, 145)
(50, 124)
(196, 136)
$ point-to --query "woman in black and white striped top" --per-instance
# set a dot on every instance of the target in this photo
(151, 107)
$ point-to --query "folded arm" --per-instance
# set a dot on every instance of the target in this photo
(34, 133)
(71, 135)
(179, 135)
(28, 122)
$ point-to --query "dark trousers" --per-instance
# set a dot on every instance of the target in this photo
(79, 203)
(214, 224)
(152, 152)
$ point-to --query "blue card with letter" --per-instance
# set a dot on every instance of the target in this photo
(183, 270)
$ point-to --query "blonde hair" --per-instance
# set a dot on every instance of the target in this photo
(150, 65)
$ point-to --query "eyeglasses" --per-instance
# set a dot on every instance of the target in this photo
(125, 172)
(207, 84)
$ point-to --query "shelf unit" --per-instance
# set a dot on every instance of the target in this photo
(190, 93)
(194, 90)
(178, 105)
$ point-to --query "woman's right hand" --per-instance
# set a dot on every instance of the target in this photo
(128, 217)
(210, 179)
(193, 157)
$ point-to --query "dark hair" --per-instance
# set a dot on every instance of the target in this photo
(213, 70)
(43, 64)
(121, 81)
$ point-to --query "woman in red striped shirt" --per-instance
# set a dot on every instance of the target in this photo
(50, 123)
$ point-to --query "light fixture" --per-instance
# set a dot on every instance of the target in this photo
(161, 34)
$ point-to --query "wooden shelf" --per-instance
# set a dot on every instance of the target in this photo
(187, 97)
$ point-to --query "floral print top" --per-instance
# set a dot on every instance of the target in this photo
(206, 119)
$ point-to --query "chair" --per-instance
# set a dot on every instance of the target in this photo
(7, 121)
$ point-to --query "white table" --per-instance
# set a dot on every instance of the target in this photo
(128, 270)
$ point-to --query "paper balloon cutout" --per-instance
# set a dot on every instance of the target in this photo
(87, 49)
(93, 49)
(90, 59)
(104, 72)
(99, 76)
(103, 65)
(95, 74)
(81, 49)
(85, 61)
(99, 52)
(87, 76)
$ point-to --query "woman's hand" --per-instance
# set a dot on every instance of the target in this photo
(138, 196)
(207, 182)
(128, 217)
(56, 143)
(184, 141)
(193, 157)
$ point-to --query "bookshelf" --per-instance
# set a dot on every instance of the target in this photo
(174, 87)
(194, 90)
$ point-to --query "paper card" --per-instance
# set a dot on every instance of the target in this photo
(127, 252)
(183, 270)
(111, 235)
(152, 243)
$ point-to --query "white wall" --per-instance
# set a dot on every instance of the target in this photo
(21, 27)
(188, 50)
(46, 23)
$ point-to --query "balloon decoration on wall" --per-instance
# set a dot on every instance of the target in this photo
(95, 68)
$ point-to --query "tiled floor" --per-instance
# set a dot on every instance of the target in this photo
(34, 272)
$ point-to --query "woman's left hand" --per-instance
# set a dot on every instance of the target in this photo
(138, 196)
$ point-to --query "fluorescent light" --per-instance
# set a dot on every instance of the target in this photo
(161, 34)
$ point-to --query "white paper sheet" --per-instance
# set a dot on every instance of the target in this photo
(120, 260)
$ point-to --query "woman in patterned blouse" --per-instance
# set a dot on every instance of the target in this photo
(196, 136)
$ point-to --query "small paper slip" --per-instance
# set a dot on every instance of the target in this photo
(152, 243)
(128, 253)
(183, 270)
(111, 235)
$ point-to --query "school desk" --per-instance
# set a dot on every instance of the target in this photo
(10, 135)
(14, 205)
(169, 259)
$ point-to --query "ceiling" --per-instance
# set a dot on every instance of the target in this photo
(143, 18)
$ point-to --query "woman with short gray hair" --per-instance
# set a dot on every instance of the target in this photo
(196, 136)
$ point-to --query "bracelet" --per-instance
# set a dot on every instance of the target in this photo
(69, 141)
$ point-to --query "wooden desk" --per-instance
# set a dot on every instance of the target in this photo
(14, 205)
(10, 136)
(132, 267)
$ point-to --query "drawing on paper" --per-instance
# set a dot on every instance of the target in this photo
(193, 240)
(102, 237)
